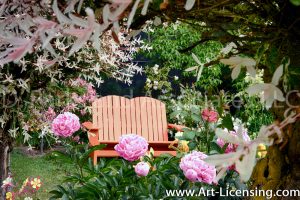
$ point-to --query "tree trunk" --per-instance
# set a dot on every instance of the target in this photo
(5, 148)
(280, 169)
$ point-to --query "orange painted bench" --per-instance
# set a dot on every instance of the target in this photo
(114, 116)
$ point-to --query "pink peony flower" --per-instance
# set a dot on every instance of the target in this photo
(197, 170)
(142, 169)
(209, 115)
(232, 147)
(131, 147)
(65, 124)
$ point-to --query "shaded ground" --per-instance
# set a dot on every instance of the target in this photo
(24, 165)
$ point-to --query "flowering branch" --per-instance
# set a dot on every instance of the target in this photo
(244, 156)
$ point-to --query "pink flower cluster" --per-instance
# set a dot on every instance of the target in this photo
(7, 183)
(209, 115)
(142, 169)
(70, 107)
(232, 147)
(81, 101)
(49, 114)
(90, 94)
(65, 124)
(131, 147)
(197, 170)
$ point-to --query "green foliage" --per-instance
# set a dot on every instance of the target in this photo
(157, 79)
(253, 112)
(227, 122)
(295, 2)
(77, 154)
(167, 41)
(185, 108)
(115, 179)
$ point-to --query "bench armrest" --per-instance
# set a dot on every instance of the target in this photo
(176, 126)
(89, 126)
(93, 133)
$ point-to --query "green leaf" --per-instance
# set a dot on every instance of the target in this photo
(196, 118)
(224, 148)
(186, 129)
(227, 122)
(216, 147)
(192, 145)
(295, 2)
(189, 135)
(65, 197)
(56, 194)
(174, 114)
(86, 155)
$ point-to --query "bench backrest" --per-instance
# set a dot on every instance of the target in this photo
(116, 116)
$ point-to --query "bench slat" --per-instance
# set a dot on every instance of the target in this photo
(128, 117)
(123, 116)
(144, 119)
(105, 118)
(154, 120)
(151, 132)
(117, 117)
(138, 116)
(133, 117)
(111, 120)
(164, 122)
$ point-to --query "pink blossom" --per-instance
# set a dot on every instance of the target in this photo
(44, 24)
(21, 46)
(91, 93)
(232, 147)
(84, 34)
(69, 107)
(142, 169)
(76, 138)
(65, 124)
(91, 90)
(82, 112)
(8, 182)
(50, 114)
(209, 115)
(131, 147)
(81, 82)
(229, 148)
(88, 97)
(85, 97)
(196, 170)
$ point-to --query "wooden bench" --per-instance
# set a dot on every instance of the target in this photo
(114, 116)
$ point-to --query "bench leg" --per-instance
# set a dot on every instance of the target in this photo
(95, 159)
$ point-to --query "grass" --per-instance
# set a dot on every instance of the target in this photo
(49, 171)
